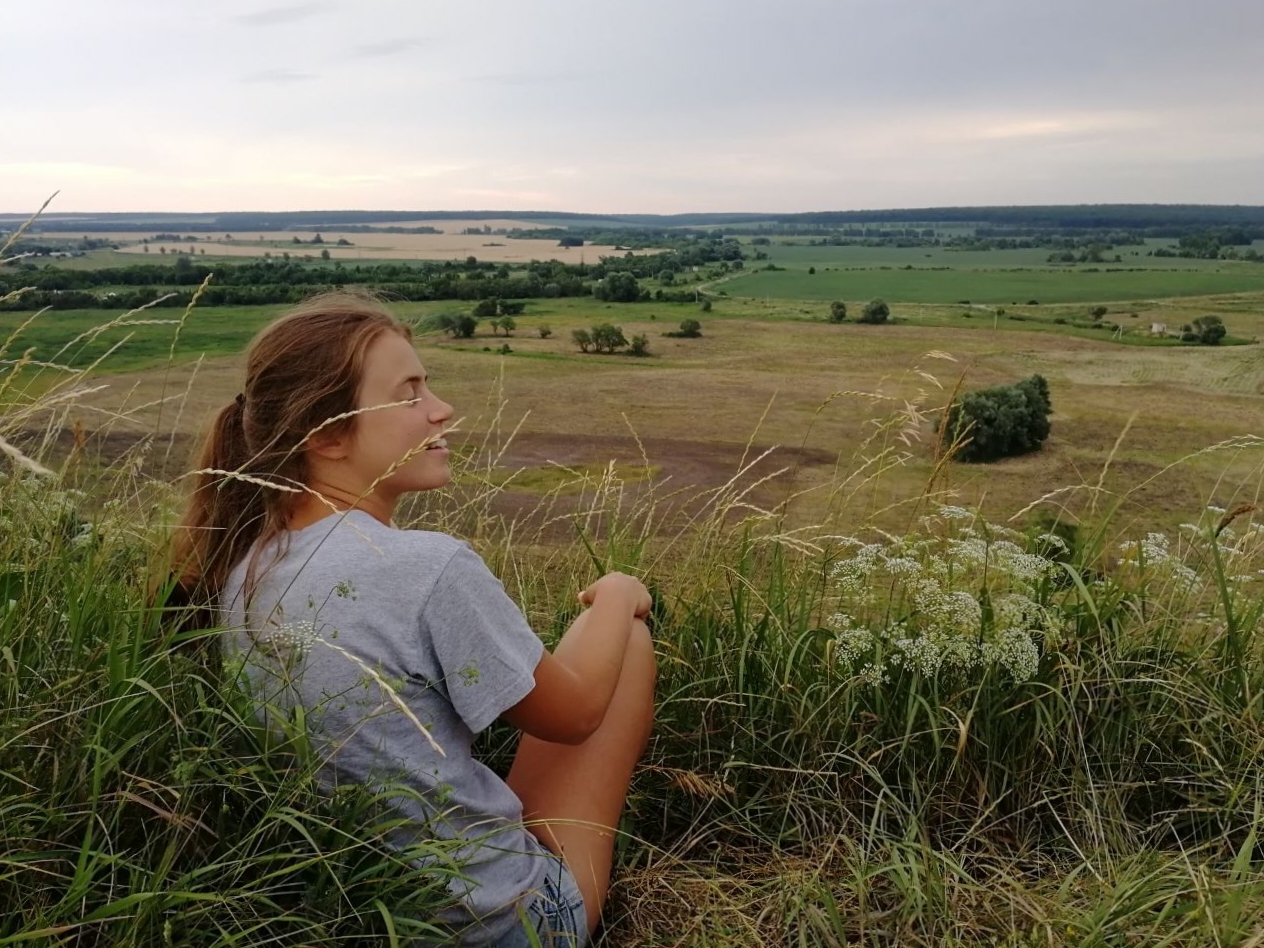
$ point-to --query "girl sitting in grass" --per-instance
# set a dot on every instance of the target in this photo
(327, 603)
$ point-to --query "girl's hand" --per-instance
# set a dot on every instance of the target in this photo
(628, 586)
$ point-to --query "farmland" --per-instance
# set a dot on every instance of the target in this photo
(997, 277)
(769, 367)
(451, 244)
(769, 371)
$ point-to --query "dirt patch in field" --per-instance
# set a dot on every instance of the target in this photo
(684, 473)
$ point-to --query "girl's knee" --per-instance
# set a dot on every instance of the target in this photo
(640, 655)
(641, 645)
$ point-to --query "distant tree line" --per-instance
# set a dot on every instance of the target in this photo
(1216, 244)
(386, 229)
(263, 281)
(1177, 218)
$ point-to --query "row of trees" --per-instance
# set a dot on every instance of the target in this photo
(606, 337)
(259, 282)
(875, 311)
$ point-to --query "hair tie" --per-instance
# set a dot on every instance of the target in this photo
(241, 400)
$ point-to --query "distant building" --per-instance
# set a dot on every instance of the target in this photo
(1158, 329)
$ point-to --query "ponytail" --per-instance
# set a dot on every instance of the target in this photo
(226, 514)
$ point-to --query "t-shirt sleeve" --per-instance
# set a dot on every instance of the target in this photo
(482, 642)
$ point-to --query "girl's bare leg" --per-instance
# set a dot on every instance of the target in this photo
(572, 795)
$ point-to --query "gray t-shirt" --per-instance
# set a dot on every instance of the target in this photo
(352, 604)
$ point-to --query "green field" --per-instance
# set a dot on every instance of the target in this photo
(997, 277)
(1002, 287)
(798, 252)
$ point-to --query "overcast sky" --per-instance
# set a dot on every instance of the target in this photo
(649, 106)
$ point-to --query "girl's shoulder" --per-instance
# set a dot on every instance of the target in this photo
(356, 533)
(357, 529)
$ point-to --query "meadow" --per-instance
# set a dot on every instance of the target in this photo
(996, 277)
(838, 760)
(773, 373)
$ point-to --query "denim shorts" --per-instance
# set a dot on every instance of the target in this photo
(555, 912)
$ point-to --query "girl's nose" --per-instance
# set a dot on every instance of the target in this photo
(442, 412)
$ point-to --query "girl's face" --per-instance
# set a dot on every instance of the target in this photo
(382, 438)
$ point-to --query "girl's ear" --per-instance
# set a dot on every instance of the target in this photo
(330, 446)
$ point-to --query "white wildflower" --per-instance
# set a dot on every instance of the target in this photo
(290, 639)
(873, 675)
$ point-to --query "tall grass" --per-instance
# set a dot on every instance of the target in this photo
(964, 733)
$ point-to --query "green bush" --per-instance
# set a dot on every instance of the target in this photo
(999, 422)
(875, 311)
(1209, 330)
(838, 312)
(689, 329)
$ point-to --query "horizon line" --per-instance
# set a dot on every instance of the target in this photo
(617, 214)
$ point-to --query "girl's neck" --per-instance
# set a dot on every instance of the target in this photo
(309, 509)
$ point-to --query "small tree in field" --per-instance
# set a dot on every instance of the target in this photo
(838, 312)
(689, 329)
(544, 331)
(607, 338)
(464, 327)
(583, 338)
(999, 422)
(507, 324)
(485, 309)
(1097, 312)
(640, 346)
(876, 311)
(1209, 330)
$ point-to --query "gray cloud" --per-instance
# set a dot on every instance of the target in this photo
(277, 76)
(525, 78)
(802, 105)
(276, 16)
(389, 47)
